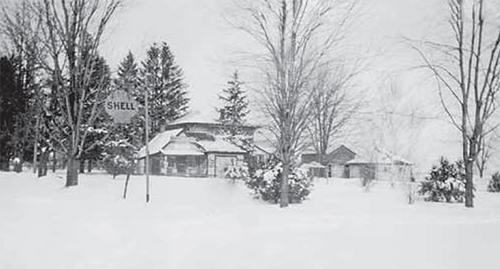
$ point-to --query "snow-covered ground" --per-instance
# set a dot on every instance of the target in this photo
(209, 223)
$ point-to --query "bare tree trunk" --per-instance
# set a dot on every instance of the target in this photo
(473, 82)
(89, 165)
(481, 170)
(35, 146)
(54, 161)
(82, 166)
(297, 37)
(72, 172)
(469, 184)
(72, 167)
(126, 185)
(42, 165)
(284, 201)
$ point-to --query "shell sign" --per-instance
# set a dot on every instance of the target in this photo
(121, 106)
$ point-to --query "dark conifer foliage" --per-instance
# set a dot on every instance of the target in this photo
(128, 80)
(15, 94)
(235, 105)
(128, 74)
(164, 81)
(126, 138)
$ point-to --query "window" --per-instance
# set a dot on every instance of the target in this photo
(191, 161)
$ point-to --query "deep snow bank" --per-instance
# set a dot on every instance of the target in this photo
(209, 223)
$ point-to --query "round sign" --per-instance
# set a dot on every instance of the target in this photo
(121, 106)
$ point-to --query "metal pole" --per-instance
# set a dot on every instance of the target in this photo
(35, 150)
(147, 147)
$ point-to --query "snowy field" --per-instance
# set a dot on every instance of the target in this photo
(209, 223)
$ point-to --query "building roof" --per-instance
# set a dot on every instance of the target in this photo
(220, 145)
(177, 142)
(335, 156)
(381, 156)
(341, 147)
(158, 142)
(182, 147)
(313, 164)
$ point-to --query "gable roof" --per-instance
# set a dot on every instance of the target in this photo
(178, 142)
(334, 156)
(158, 142)
(339, 149)
(182, 147)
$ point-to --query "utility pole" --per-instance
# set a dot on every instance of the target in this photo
(147, 147)
(35, 144)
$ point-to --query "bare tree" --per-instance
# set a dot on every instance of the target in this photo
(469, 75)
(331, 106)
(70, 34)
(487, 145)
(297, 37)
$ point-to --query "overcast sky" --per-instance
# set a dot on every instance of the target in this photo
(205, 46)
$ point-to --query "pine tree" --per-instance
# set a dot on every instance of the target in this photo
(128, 75)
(163, 79)
(128, 80)
(100, 77)
(15, 121)
(8, 110)
(235, 107)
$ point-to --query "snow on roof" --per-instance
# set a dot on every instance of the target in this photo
(158, 142)
(187, 145)
(182, 146)
(220, 145)
(381, 156)
(359, 161)
(313, 164)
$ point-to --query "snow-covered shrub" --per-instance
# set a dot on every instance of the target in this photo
(266, 183)
(445, 183)
(238, 171)
(119, 157)
(494, 184)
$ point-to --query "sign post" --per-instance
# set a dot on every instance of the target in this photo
(121, 106)
(147, 142)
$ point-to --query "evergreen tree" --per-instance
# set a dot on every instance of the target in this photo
(163, 79)
(15, 98)
(127, 137)
(235, 107)
(100, 77)
(128, 80)
(128, 75)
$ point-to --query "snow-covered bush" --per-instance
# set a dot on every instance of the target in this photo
(266, 183)
(119, 157)
(445, 183)
(494, 184)
(238, 171)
